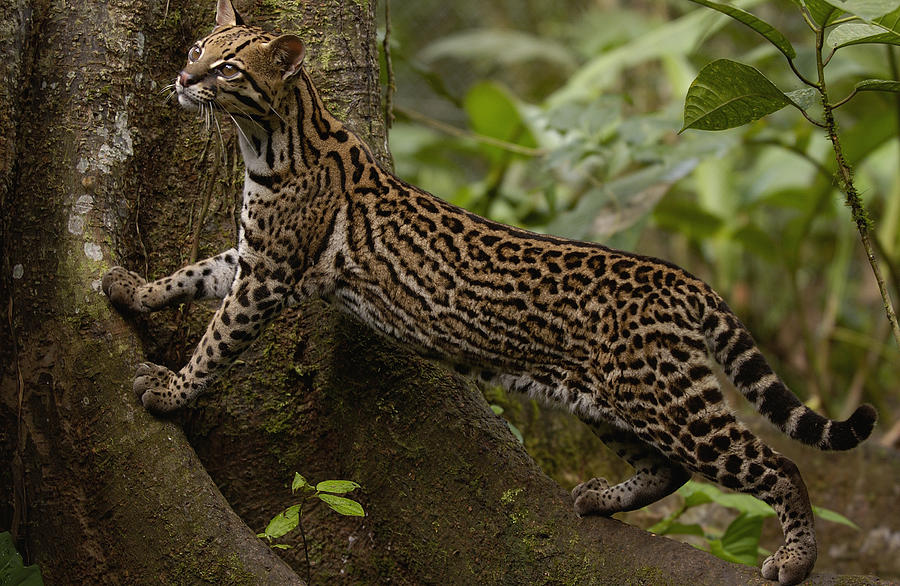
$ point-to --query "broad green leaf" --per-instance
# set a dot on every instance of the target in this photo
(821, 11)
(678, 529)
(12, 571)
(698, 493)
(342, 505)
(281, 546)
(337, 486)
(804, 98)
(741, 539)
(497, 409)
(283, 522)
(829, 515)
(493, 112)
(771, 34)
(865, 9)
(298, 483)
(878, 85)
(855, 33)
(727, 94)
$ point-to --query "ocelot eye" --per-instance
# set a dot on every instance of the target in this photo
(228, 70)
(194, 53)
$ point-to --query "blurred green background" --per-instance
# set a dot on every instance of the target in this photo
(563, 117)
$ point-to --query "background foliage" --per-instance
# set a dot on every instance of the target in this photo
(564, 117)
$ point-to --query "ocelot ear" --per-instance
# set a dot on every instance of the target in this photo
(226, 15)
(287, 53)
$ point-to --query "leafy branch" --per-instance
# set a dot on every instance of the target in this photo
(726, 94)
(291, 518)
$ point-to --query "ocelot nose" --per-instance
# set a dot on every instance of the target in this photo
(186, 79)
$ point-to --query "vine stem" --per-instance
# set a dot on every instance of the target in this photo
(305, 547)
(845, 180)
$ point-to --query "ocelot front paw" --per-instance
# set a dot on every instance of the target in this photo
(790, 564)
(589, 497)
(155, 387)
(121, 286)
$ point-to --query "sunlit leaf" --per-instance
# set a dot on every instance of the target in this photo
(772, 34)
(298, 482)
(281, 546)
(337, 486)
(283, 522)
(829, 515)
(344, 506)
(698, 493)
(727, 94)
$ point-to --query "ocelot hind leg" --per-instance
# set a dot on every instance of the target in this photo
(655, 476)
(730, 455)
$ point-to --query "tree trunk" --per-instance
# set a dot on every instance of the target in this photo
(98, 169)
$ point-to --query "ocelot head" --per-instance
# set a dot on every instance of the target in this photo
(238, 68)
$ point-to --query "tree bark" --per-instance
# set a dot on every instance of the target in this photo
(98, 169)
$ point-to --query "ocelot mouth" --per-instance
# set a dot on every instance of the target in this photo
(186, 101)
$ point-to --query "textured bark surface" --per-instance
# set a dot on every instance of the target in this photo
(98, 169)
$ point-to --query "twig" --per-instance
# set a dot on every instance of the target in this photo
(454, 131)
(845, 178)
(305, 547)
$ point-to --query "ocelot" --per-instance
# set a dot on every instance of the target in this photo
(621, 340)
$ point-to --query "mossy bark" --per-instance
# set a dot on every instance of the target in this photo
(106, 172)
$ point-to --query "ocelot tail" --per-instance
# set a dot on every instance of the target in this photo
(621, 340)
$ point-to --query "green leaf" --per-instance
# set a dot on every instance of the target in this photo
(771, 34)
(497, 409)
(493, 112)
(344, 506)
(865, 9)
(281, 546)
(678, 529)
(12, 571)
(283, 522)
(741, 539)
(855, 33)
(821, 11)
(726, 94)
(878, 85)
(515, 431)
(829, 515)
(298, 483)
(698, 493)
(337, 486)
(804, 98)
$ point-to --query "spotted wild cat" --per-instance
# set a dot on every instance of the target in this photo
(620, 339)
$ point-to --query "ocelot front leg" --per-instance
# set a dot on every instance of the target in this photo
(253, 300)
(655, 476)
(207, 279)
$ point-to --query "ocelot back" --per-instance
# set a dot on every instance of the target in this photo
(620, 339)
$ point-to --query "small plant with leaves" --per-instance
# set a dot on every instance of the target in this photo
(727, 94)
(739, 542)
(291, 518)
